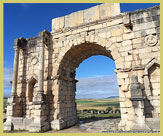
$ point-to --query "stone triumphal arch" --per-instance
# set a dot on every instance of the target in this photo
(44, 84)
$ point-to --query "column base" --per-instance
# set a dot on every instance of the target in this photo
(153, 123)
(37, 127)
(140, 127)
(8, 126)
(58, 124)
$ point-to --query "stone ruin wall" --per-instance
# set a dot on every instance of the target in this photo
(131, 39)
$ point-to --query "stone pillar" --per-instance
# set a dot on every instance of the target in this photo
(138, 105)
(39, 96)
(12, 101)
(40, 122)
(15, 71)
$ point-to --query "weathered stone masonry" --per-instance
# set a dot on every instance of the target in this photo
(44, 84)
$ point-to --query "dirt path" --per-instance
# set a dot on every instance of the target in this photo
(69, 130)
(90, 126)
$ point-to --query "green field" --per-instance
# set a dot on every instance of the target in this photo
(97, 103)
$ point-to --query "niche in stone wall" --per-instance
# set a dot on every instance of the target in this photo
(154, 78)
(152, 87)
(32, 84)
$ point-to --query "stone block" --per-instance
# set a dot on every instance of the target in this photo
(139, 111)
(116, 31)
(128, 58)
(119, 38)
(109, 9)
(157, 109)
(98, 26)
(77, 18)
(114, 22)
(153, 123)
(156, 92)
(125, 88)
(121, 81)
(155, 49)
(27, 122)
(103, 35)
(122, 104)
(128, 64)
(122, 75)
(108, 34)
(91, 14)
(68, 21)
(124, 116)
(126, 48)
(145, 50)
(8, 126)
(150, 31)
(39, 127)
(115, 54)
(128, 103)
(156, 85)
(126, 42)
(128, 36)
(138, 40)
(58, 124)
(57, 23)
(120, 65)
(155, 103)
(142, 26)
(126, 29)
(126, 20)
(139, 34)
(112, 39)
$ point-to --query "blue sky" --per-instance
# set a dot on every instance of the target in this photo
(27, 20)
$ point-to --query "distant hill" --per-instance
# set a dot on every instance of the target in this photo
(112, 97)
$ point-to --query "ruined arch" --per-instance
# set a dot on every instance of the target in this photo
(94, 45)
(53, 57)
(69, 59)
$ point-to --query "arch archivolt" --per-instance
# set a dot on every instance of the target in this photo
(107, 46)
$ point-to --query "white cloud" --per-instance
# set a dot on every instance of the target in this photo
(91, 87)
(97, 87)
(7, 77)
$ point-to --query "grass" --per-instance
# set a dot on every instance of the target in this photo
(100, 104)
(97, 104)
(84, 116)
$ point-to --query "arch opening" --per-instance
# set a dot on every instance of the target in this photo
(97, 97)
(73, 58)
(67, 83)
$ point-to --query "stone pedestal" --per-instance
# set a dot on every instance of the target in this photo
(8, 125)
(138, 105)
(58, 124)
(40, 122)
(11, 112)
